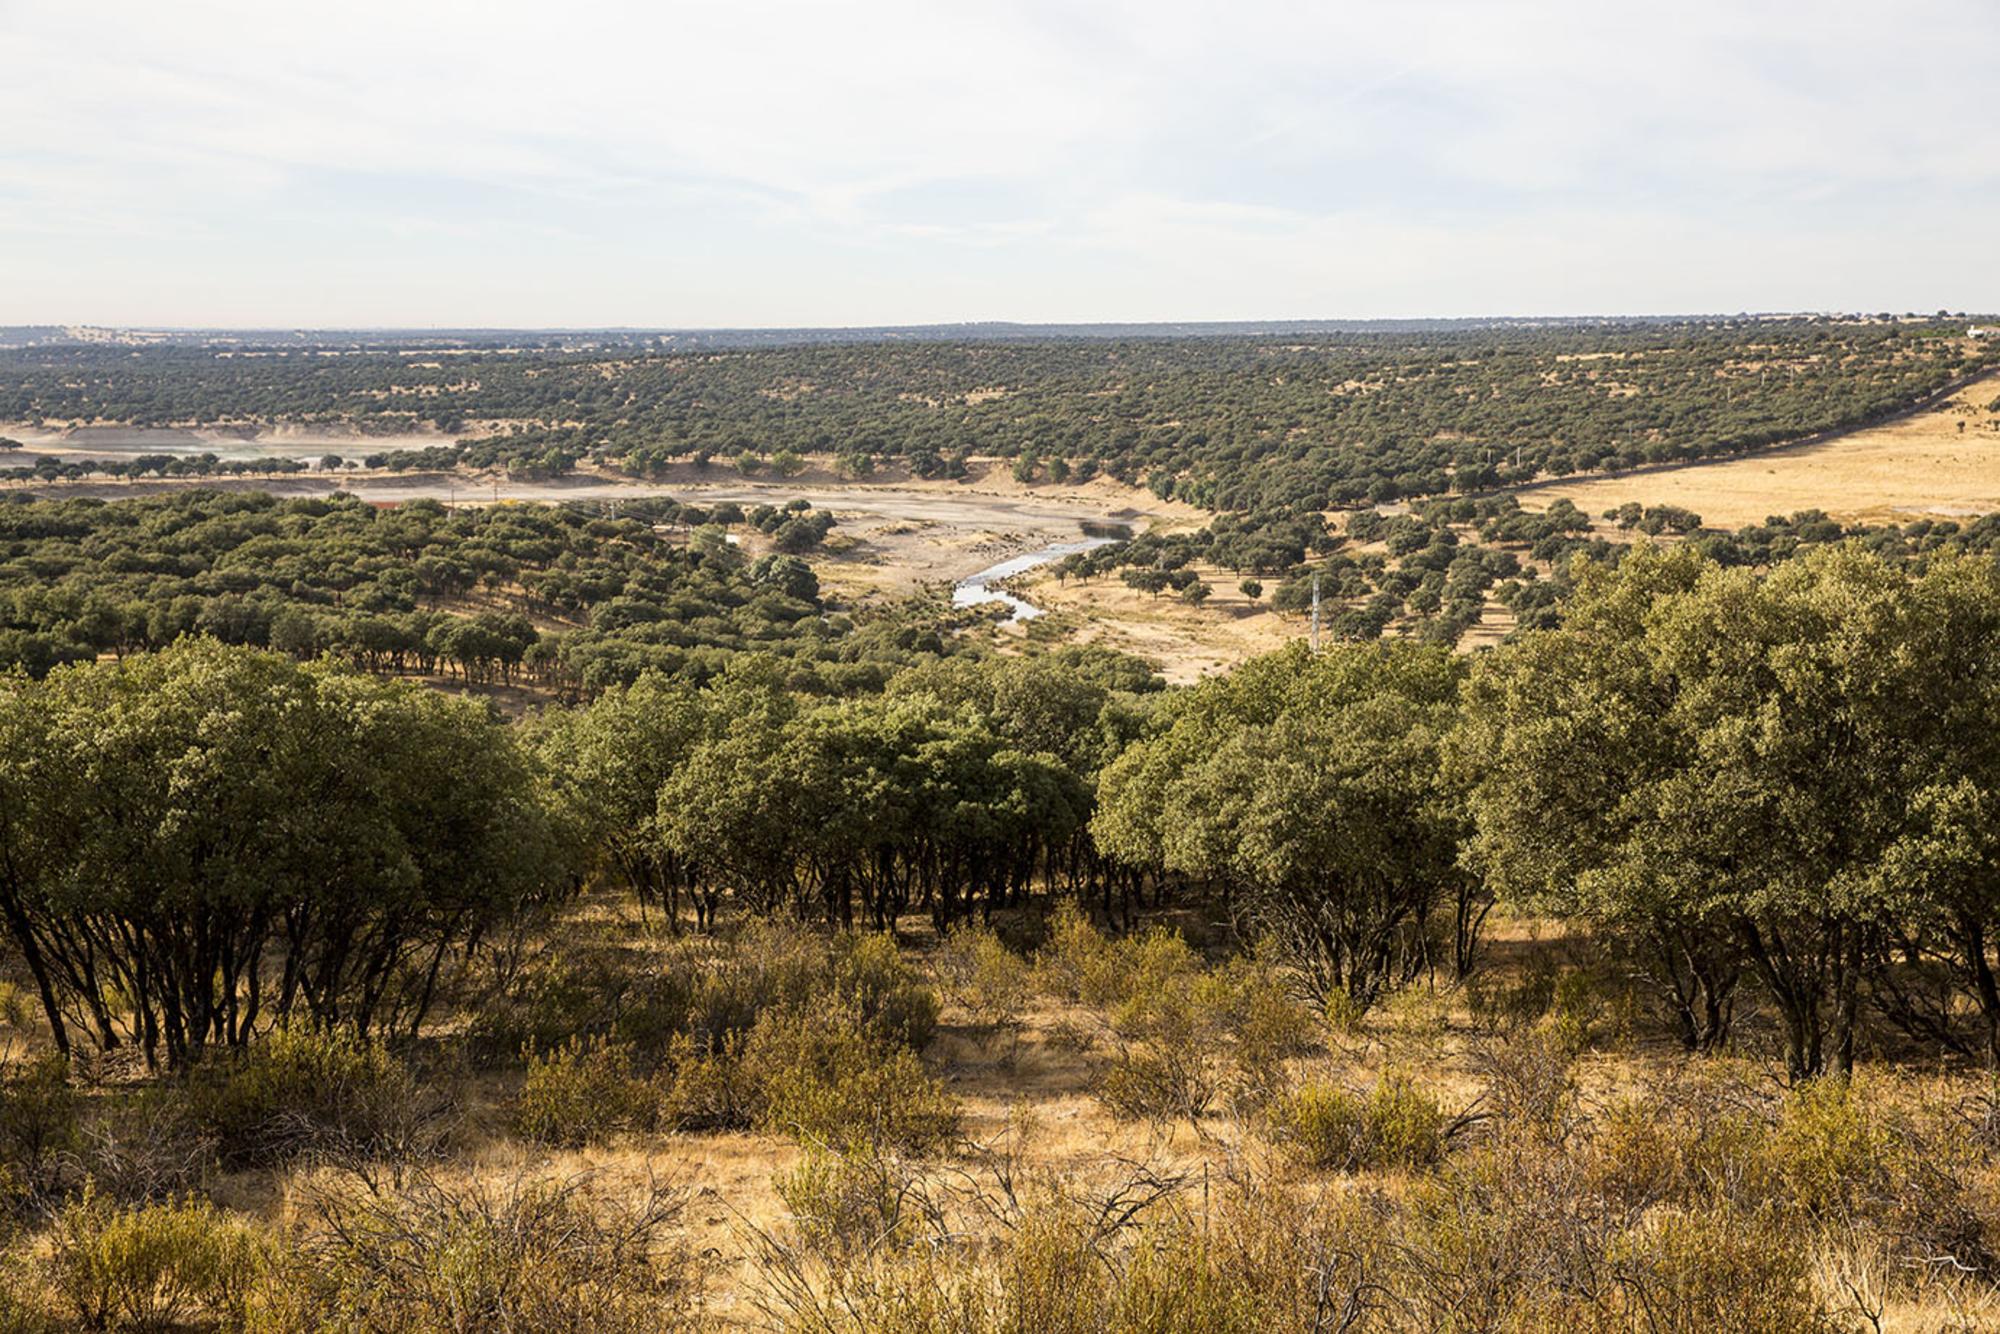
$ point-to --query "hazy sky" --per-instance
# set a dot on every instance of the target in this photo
(742, 162)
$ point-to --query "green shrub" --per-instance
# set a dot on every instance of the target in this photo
(581, 1093)
(313, 1090)
(1829, 1150)
(1395, 1124)
(152, 1266)
(703, 1089)
(1076, 962)
(980, 974)
(822, 1079)
(870, 976)
(1177, 1028)
(714, 991)
(846, 1204)
(551, 999)
(1269, 1025)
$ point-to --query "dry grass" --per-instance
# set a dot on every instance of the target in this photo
(1494, 1080)
(1921, 465)
(1187, 642)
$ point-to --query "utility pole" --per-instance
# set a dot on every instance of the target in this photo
(1315, 639)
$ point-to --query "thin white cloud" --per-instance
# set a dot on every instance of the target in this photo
(885, 160)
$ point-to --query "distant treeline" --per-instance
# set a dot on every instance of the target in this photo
(1314, 420)
(569, 597)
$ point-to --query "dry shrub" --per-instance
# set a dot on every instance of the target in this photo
(977, 972)
(925, 1290)
(315, 1090)
(1531, 1080)
(39, 1134)
(1855, 1156)
(1134, 1257)
(153, 1146)
(152, 1266)
(1690, 1141)
(1829, 1151)
(1691, 1273)
(825, 1079)
(703, 1088)
(1395, 1124)
(581, 1093)
(547, 1254)
(1343, 1014)
(714, 992)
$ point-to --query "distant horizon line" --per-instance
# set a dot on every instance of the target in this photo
(1289, 321)
(21, 336)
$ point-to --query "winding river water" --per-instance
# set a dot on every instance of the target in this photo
(977, 588)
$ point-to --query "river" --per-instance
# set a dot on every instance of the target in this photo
(975, 589)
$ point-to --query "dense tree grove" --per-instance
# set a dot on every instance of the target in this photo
(1779, 782)
(1316, 421)
(963, 787)
(570, 597)
(1311, 789)
(1787, 777)
(200, 843)
(1775, 780)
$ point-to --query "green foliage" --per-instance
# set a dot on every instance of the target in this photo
(581, 1093)
(1317, 419)
(1314, 786)
(1753, 774)
(943, 789)
(385, 589)
(1395, 1124)
(824, 1081)
(305, 1090)
(183, 819)
(153, 1267)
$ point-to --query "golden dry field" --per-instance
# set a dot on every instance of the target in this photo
(1940, 463)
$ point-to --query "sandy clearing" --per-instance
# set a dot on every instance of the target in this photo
(1921, 465)
(290, 440)
(894, 536)
(1186, 642)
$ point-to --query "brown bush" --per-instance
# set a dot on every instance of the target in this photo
(520, 1252)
